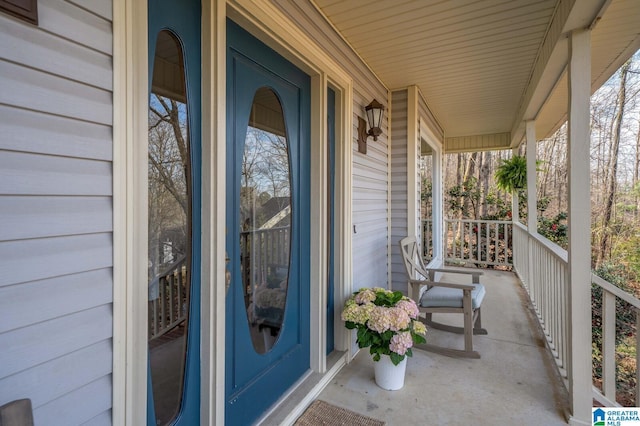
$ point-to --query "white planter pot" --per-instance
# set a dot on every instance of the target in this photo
(389, 376)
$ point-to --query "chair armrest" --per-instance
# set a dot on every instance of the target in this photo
(441, 284)
(475, 275)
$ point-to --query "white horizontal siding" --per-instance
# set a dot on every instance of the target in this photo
(34, 174)
(51, 216)
(53, 298)
(36, 132)
(37, 259)
(102, 419)
(69, 372)
(65, 410)
(37, 90)
(56, 279)
(45, 51)
(79, 25)
(22, 348)
(100, 8)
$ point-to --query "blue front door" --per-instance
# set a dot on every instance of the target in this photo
(268, 181)
(174, 204)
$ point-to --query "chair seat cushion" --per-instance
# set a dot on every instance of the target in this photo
(445, 297)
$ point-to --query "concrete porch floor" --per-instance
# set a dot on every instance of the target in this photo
(515, 381)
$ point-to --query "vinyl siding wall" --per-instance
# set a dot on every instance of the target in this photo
(370, 171)
(56, 211)
(399, 224)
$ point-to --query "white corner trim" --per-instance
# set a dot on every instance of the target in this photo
(413, 147)
(130, 103)
(390, 244)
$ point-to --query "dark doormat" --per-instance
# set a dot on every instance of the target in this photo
(321, 413)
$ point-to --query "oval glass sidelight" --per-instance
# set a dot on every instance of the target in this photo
(265, 219)
(170, 236)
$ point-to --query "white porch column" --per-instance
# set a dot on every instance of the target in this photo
(532, 196)
(579, 73)
(413, 156)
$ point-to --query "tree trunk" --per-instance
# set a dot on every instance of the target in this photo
(485, 174)
(612, 171)
(468, 174)
(636, 176)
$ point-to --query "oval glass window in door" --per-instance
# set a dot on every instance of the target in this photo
(169, 228)
(265, 219)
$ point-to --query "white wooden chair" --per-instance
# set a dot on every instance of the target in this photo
(444, 297)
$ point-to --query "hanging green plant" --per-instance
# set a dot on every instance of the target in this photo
(511, 174)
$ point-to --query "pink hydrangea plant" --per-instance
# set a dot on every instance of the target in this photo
(386, 321)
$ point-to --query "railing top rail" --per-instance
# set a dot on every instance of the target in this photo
(478, 221)
(560, 253)
(168, 270)
(607, 286)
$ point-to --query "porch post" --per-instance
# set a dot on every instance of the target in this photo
(532, 196)
(579, 78)
(413, 154)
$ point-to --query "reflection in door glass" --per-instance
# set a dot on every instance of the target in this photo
(426, 204)
(169, 228)
(265, 219)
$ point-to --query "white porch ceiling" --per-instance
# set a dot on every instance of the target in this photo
(474, 60)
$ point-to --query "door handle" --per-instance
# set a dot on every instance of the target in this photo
(227, 273)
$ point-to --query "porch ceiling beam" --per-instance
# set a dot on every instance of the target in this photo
(552, 58)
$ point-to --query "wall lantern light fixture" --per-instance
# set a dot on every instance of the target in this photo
(374, 111)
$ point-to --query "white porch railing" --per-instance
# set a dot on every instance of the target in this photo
(482, 242)
(612, 325)
(168, 306)
(542, 266)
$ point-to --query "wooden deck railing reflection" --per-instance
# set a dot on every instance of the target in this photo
(168, 299)
(264, 257)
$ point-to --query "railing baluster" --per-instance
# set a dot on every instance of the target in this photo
(168, 309)
(171, 295)
(483, 242)
(609, 345)
(161, 301)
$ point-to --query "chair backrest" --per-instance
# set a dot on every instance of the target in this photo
(412, 258)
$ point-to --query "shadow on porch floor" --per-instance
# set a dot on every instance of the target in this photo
(514, 382)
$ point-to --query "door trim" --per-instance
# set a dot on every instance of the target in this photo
(130, 106)
(212, 308)
(130, 103)
(267, 23)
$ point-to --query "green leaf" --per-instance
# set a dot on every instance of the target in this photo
(396, 358)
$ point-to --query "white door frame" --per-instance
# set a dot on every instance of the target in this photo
(267, 23)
